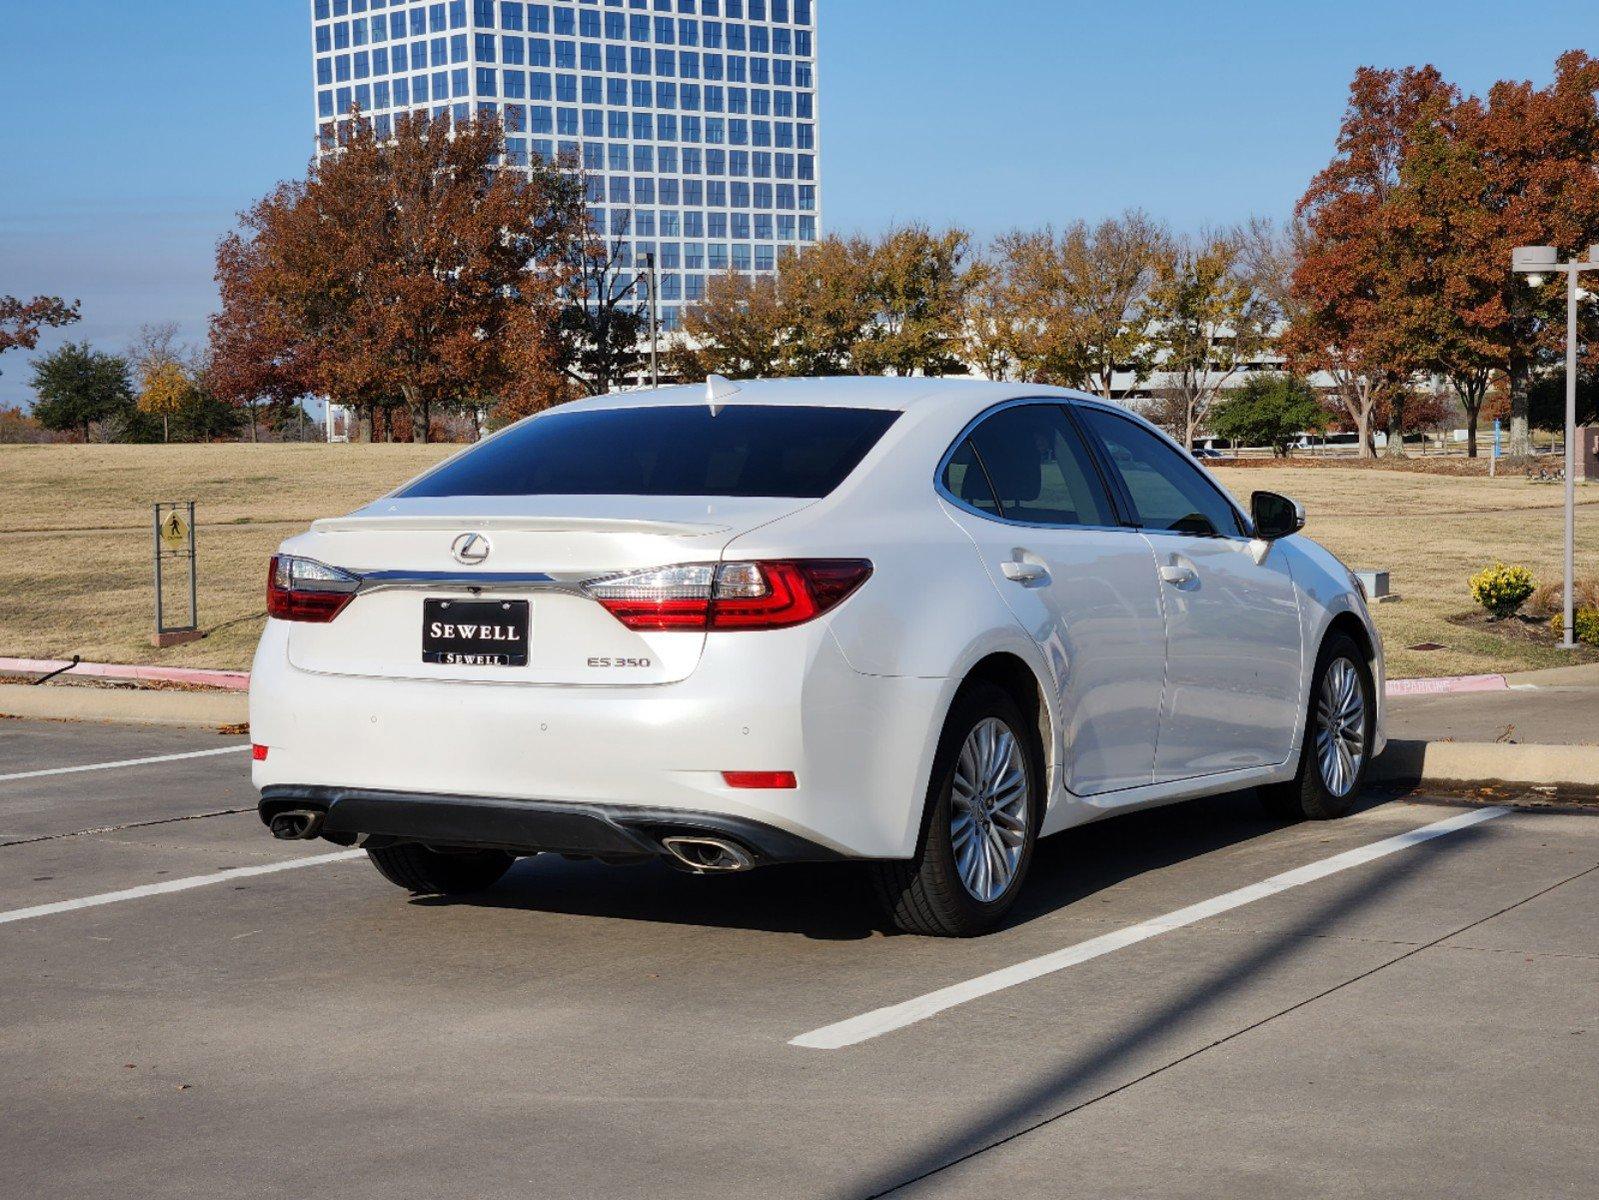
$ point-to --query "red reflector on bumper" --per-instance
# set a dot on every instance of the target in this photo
(258, 752)
(759, 779)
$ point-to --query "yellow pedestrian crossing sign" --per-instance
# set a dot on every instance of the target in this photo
(174, 531)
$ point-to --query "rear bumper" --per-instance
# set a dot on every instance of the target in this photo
(859, 745)
(613, 832)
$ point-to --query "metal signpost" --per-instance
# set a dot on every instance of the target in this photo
(174, 544)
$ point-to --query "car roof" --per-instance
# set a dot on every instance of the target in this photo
(900, 394)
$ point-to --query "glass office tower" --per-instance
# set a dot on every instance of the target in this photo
(694, 119)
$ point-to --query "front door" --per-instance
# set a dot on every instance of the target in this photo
(1234, 691)
(1028, 493)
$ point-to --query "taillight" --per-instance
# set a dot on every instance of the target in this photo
(772, 594)
(302, 589)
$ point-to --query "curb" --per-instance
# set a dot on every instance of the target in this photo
(138, 707)
(233, 681)
(1488, 762)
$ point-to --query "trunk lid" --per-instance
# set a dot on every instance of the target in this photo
(539, 549)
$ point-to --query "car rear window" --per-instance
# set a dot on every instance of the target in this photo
(681, 450)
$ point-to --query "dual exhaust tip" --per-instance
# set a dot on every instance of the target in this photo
(697, 853)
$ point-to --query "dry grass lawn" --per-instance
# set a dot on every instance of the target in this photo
(75, 573)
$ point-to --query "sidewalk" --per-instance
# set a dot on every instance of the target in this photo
(1556, 707)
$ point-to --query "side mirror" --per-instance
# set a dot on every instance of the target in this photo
(1275, 516)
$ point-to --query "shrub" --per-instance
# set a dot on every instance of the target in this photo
(1587, 623)
(1550, 598)
(1501, 589)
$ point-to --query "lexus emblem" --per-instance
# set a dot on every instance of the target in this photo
(470, 548)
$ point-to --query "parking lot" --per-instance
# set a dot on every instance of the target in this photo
(194, 1010)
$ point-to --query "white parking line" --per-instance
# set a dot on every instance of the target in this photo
(174, 885)
(897, 1016)
(124, 762)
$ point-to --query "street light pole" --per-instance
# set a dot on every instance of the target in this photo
(1535, 262)
(655, 373)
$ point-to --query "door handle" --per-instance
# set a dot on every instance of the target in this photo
(1023, 572)
(1177, 574)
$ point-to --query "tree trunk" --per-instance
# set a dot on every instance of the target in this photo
(1520, 382)
(1396, 430)
(1471, 429)
(419, 422)
(363, 433)
(1363, 433)
(165, 436)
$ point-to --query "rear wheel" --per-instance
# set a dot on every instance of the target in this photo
(1336, 748)
(440, 872)
(985, 801)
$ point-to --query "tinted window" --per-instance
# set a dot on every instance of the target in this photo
(744, 450)
(1040, 468)
(965, 479)
(1169, 492)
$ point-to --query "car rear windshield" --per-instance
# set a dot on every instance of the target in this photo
(743, 450)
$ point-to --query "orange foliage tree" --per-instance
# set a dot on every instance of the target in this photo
(410, 269)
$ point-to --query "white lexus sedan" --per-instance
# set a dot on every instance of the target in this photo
(917, 623)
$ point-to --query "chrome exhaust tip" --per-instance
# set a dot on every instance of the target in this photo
(296, 824)
(708, 855)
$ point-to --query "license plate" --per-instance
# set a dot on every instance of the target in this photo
(475, 633)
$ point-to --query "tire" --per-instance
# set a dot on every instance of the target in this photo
(928, 894)
(427, 872)
(1308, 794)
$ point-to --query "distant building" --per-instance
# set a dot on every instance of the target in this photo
(695, 120)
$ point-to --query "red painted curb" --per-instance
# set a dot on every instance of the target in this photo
(232, 681)
(1446, 685)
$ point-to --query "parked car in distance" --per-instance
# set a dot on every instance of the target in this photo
(915, 623)
(1206, 452)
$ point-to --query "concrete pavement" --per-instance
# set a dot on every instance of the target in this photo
(1424, 1024)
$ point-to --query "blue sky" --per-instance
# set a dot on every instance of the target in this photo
(135, 130)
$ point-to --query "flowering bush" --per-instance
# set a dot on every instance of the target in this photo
(1586, 621)
(1501, 589)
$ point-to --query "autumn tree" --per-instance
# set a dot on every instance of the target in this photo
(996, 321)
(78, 386)
(1533, 152)
(737, 329)
(21, 321)
(1083, 299)
(918, 279)
(1209, 319)
(1355, 274)
(164, 389)
(826, 293)
(400, 268)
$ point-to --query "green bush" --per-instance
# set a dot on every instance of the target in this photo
(1501, 589)
(1586, 621)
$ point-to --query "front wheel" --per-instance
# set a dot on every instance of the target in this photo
(1339, 728)
(985, 802)
(428, 872)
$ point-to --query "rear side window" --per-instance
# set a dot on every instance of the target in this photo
(1039, 467)
(965, 479)
(679, 450)
(1170, 493)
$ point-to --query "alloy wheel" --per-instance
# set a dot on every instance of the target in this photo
(988, 809)
(1340, 726)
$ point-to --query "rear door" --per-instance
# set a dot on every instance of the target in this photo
(1027, 491)
(1233, 691)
